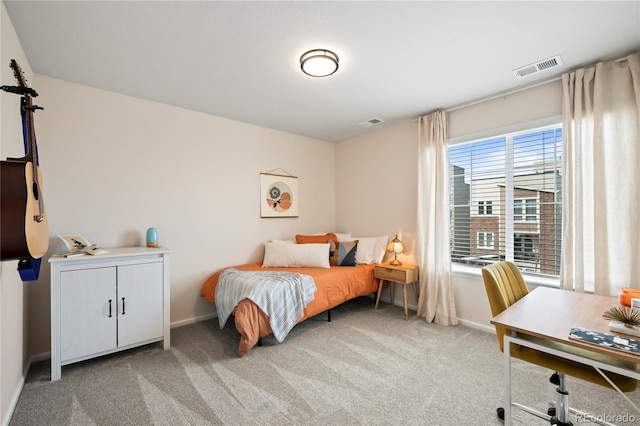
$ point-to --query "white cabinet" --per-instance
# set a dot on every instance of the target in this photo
(87, 317)
(107, 303)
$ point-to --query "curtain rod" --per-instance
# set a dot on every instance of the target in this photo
(495, 96)
(513, 91)
(501, 94)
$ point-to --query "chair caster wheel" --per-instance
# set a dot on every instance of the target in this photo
(551, 411)
(500, 413)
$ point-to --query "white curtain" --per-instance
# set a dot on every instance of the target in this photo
(435, 302)
(601, 162)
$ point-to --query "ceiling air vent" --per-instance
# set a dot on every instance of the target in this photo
(543, 65)
(371, 122)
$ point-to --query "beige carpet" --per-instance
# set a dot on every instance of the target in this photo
(365, 367)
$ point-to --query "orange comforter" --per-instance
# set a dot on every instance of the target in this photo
(335, 286)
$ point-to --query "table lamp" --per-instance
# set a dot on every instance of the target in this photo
(396, 247)
(152, 237)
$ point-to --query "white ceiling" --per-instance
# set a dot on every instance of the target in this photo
(240, 59)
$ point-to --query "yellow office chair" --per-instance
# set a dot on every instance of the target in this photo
(505, 286)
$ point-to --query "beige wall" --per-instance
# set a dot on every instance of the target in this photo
(13, 324)
(537, 106)
(115, 166)
(376, 180)
(376, 188)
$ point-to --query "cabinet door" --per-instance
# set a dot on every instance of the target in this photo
(140, 307)
(87, 312)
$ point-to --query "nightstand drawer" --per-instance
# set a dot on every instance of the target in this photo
(402, 274)
(398, 275)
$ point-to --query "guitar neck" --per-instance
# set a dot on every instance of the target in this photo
(30, 129)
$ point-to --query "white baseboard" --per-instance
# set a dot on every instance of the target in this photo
(16, 394)
(193, 320)
(397, 302)
(477, 326)
(40, 357)
(470, 324)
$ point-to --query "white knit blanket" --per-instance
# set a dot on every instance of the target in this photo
(282, 296)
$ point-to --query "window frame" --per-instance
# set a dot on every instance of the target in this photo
(524, 214)
(551, 166)
(484, 239)
(485, 207)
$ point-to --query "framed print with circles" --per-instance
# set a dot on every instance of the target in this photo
(278, 195)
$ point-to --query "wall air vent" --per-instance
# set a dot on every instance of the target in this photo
(545, 64)
(371, 122)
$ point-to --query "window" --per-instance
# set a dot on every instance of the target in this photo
(525, 210)
(505, 200)
(485, 240)
(485, 207)
(523, 247)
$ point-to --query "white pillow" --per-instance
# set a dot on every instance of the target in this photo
(371, 249)
(279, 255)
(366, 247)
(344, 237)
(340, 237)
(381, 248)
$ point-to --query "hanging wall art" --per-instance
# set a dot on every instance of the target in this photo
(278, 195)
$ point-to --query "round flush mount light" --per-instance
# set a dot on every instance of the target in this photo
(319, 63)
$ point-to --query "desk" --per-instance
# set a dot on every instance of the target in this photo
(550, 314)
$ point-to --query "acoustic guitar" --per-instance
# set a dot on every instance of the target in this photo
(24, 227)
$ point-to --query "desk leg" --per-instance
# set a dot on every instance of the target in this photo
(507, 381)
(392, 291)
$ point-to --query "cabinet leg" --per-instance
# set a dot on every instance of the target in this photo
(56, 372)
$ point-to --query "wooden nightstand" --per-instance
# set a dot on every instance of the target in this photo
(403, 274)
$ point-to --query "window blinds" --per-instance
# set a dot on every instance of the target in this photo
(505, 200)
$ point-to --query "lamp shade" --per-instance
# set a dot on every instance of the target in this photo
(396, 247)
(319, 63)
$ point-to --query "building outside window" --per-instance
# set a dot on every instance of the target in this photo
(485, 207)
(506, 201)
(524, 247)
(525, 210)
(485, 240)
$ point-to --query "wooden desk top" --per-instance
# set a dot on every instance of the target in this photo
(551, 313)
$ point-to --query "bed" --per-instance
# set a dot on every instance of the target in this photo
(334, 285)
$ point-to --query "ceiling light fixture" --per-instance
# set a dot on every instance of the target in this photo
(319, 63)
